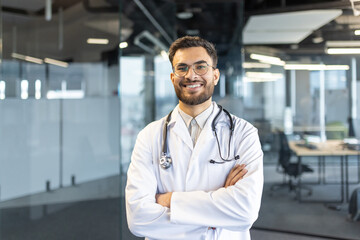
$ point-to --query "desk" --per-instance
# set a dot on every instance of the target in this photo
(325, 149)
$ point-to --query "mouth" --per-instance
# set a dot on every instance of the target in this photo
(193, 86)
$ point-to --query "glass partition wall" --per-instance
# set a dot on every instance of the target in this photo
(60, 121)
(79, 81)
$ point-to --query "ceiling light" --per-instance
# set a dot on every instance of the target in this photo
(65, 94)
(315, 67)
(255, 65)
(27, 58)
(2, 89)
(184, 15)
(264, 75)
(97, 41)
(164, 54)
(56, 62)
(357, 32)
(268, 59)
(343, 44)
(337, 67)
(317, 40)
(24, 87)
(247, 79)
(123, 45)
(343, 51)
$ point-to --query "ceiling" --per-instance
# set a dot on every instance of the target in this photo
(293, 28)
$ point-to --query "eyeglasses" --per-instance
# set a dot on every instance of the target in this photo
(200, 69)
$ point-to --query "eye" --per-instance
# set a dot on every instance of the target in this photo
(200, 67)
(181, 68)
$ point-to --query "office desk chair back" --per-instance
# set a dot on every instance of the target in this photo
(291, 169)
(288, 168)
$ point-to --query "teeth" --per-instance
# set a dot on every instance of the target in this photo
(193, 86)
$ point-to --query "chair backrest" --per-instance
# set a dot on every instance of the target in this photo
(284, 152)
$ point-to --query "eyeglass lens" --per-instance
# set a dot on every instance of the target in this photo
(199, 68)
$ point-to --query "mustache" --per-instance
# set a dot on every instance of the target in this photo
(185, 81)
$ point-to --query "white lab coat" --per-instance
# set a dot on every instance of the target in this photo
(199, 200)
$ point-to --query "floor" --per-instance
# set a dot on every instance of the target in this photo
(68, 215)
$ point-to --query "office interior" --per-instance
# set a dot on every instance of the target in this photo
(79, 79)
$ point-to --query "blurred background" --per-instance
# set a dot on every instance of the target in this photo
(80, 78)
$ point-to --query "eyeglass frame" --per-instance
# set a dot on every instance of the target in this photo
(192, 66)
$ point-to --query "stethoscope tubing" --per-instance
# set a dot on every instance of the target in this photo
(164, 154)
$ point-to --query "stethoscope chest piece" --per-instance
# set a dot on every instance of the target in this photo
(165, 162)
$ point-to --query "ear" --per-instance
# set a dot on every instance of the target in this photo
(216, 76)
(172, 77)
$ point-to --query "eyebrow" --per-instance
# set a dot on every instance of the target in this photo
(184, 64)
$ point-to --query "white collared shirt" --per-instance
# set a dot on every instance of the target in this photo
(195, 125)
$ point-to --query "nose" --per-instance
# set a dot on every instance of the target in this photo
(191, 75)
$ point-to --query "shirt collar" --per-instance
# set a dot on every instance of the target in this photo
(200, 119)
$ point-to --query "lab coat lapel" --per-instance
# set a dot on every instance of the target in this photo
(180, 128)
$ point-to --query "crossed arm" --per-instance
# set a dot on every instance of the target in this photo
(236, 174)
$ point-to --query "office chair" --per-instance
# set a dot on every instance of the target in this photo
(291, 170)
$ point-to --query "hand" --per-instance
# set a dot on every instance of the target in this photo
(235, 175)
(164, 199)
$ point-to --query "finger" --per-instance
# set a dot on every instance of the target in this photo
(238, 177)
(238, 168)
(234, 171)
(229, 176)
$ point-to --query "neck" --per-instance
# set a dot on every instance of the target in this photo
(194, 110)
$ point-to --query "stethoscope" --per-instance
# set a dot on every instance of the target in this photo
(166, 161)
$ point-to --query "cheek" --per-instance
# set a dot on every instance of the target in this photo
(175, 82)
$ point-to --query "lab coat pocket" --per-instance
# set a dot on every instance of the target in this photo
(217, 174)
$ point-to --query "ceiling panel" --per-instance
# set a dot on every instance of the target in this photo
(286, 28)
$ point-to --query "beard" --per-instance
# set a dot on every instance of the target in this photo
(196, 98)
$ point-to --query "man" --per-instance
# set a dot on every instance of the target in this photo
(204, 191)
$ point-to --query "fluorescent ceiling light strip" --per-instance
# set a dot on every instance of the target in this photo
(341, 44)
(357, 32)
(34, 60)
(18, 56)
(247, 79)
(27, 58)
(56, 62)
(337, 67)
(314, 67)
(267, 59)
(97, 41)
(255, 65)
(68, 94)
(343, 51)
(264, 75)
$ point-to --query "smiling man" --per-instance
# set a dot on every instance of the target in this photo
(196, 173)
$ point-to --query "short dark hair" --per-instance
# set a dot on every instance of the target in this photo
(188, 42)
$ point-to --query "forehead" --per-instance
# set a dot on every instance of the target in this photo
(191, 55)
